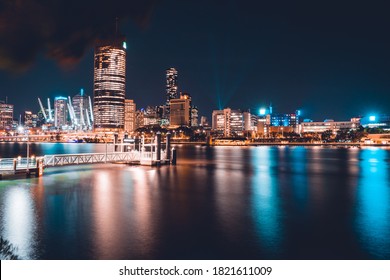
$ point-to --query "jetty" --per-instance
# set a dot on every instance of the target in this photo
(127, 152)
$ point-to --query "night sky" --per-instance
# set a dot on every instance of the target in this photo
(331, 59)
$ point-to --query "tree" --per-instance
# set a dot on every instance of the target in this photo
(342, 135)
(357, 134)
(326, 136)
(7, 250)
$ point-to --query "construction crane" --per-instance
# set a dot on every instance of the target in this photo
(72, 113)
(81, 109)
(49, 107)
(90, 108)
(88, 120)
(42, 109)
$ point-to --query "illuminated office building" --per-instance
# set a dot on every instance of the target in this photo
(81, 107)
(308, 126)
(171, 92)
(6, 115)
(180, 110)
(228, 122)
(28, 119)
(194, 116)
(236, 125)
(286, 120)
(219, 120)
(130, 109)
(373, 121)
(109, 85)
(171, 86)
(60, 112)
(139, 118)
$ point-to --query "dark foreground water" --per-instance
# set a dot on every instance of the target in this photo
(217, 203)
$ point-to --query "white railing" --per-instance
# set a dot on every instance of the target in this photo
(21, 163)
(8, 164)
(72, 159)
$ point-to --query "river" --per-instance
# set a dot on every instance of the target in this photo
(266, 202)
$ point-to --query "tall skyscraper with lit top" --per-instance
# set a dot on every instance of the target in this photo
(171, 93)
(171, 87)
(109, 85)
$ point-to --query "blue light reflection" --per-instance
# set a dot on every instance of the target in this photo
(373, 202)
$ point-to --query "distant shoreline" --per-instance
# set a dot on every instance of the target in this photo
(254, 144)
(251, 144)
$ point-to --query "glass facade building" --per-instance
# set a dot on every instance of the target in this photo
(60, 112)
(171, 92)
(80, 107)
(130, 108)
(6, 115)
(109, 86)
(171, 86)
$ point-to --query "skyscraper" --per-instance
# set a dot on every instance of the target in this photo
(181, 110)
(171, 87)
(194, 116)
(130, 108)
(60, 112)
(109, 85)
(6, 115)
(80, 103)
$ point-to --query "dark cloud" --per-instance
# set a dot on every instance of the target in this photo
(60, 29)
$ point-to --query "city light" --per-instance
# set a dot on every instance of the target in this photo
(262, 112)
(372, 118)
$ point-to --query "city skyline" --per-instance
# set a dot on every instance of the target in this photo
(329, 61)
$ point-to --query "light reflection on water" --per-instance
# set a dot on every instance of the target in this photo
(373, 199)
(217, 203)
(266, 202)
(19, 221)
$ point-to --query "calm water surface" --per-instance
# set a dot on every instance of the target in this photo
(217, 203)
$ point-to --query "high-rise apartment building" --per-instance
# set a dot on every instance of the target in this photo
(109, 85)
(6, 115)
(60, 112)
(81, 110)
(180, 110)
(130, 108)
(28, 119)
